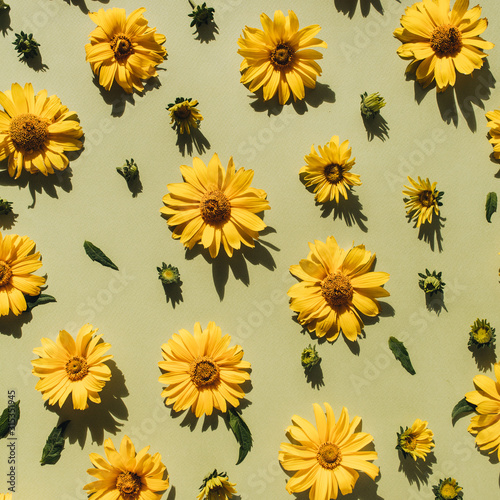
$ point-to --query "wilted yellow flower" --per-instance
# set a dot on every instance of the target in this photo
(439, 41)
(216, 486)
(184, 115)
(124, 49)
(416, 440)
(424, 200)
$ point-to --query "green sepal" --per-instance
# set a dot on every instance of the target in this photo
(54, 445)
(463, 406)
(9, 418)
(401, 354)
(98, 255)
(37, 300)
(241, 433)
(491, 205)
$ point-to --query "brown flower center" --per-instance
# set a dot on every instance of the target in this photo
(337, 290)
(215, 207)
(28, 132)
(333, 173)
(329, 456)
(121, 46)
(204, 371)
(446, 40)
(129, 485)
(76, 368)
(282, 56)
(5, 273)
(183, 112)
(426, 198)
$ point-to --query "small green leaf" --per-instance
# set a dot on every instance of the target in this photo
(401, 354)
(9, 418)
(37, 300)
(463, 406)
(241, 433)
(491, 205)
(98, 255)
(55, 444)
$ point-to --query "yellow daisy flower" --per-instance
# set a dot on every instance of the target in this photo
(213, 207)
(5, 496)
(128, 476)
(280, 58)
(202, 371)
(416, 440)
(216, 486)
(329, 171)
(334, 286)
(35, 131)
(124, 49)
(486, 425)
(424, 200)
(328, 456)
(72, 367)
(184, 115)
(17, 263)
(494, 124)
(439, 41)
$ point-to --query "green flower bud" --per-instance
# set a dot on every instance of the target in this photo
(309, 357)
(447, 489)
(201, 14)
(371, 104)
(431, 283)
(481, 334)
(168, 274)
(26, 45)
(5, 207)
(129, 171)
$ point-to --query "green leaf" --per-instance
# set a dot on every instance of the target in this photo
(98, 255)
(9, 418)
(241, 433)
(491, 205)
(463, 406)
(55, 444)
(401, 354)
(36, 300)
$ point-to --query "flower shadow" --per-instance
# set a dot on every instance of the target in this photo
(348, 7)
(350, 211)
(5, 22)
(314, 376)
(36, 63)
(376, 127)
(468, 90)
(171, 493)
(206, 32)
(417, 471)
(97, 418)
(7, 221)
(435, 303)
(259, 255)
(117, 98)
(12, 325)
(430, 232)
(185, 142)
(82, 5)
(173, 293)
(485, 357)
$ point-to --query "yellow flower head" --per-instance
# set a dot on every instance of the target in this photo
(184, 115)
(416, 440)
(486, 425)
(447, 489)
(72, 367)
(202, 371)
(280, 58)
(327, 457)
(214, 207)
(494, 124)
(36, 130)
(17, 263)
(439, 41)
(5, 496)
(424, 200)
(329, 172)
(124, 49)
(128, 476)
(216, 486)
(334, 285)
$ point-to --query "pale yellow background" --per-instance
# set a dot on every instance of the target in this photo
(92, 202)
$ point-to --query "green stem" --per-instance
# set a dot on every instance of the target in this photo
(193, 5)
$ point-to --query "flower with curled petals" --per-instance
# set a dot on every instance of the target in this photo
(494, 124)
(280, 58)
(486, 425)
(202, 371)
(334, 285)
(415, 441)
(440, 41)
(214, 207)
(124, 48)
(17, 263)
(128, 475)
(327, 457)
(72, 367)
(36, 130)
